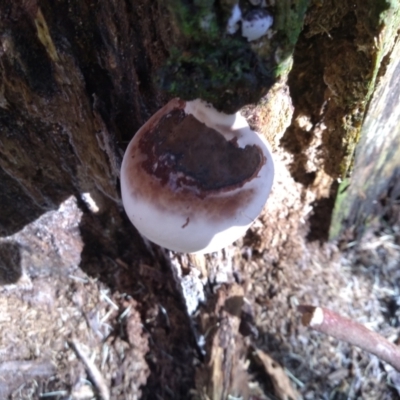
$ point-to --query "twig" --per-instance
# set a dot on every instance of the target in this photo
(93, 371)
(342, 328)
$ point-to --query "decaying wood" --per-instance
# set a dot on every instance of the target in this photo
(282, 386)
(374, 186)
(76, 82)
(224, 373)
(342, 52)
(68, 92)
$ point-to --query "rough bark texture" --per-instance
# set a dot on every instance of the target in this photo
(77, 79)
(336, 62)
(373, 191)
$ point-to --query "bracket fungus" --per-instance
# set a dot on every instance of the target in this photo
(194, 179)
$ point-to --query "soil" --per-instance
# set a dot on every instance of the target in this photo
(79, 322)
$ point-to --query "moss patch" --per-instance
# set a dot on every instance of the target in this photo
(225, 69)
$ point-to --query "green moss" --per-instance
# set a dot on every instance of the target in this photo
(377, 149)
(289, 18)
(225, 75)
(195, 20)
(225, 69)
(339, 208)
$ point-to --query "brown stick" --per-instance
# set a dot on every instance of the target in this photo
(342, 328)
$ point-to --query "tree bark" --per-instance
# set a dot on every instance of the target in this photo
(78, 78)
(76, 82)
(70, 92)
(341, 52)
(373, 191)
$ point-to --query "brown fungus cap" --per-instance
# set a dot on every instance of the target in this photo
(194, 179)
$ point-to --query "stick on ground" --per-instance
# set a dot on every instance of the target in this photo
(342, 328)
(92, 370)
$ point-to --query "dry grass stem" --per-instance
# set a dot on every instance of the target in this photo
(93, 371)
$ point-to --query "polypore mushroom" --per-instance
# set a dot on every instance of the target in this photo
(194, 179)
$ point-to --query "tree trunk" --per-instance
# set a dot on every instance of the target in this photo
(78, 78)
(372, 193)
(76, 82)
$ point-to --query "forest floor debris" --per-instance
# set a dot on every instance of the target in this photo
(148, 322)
